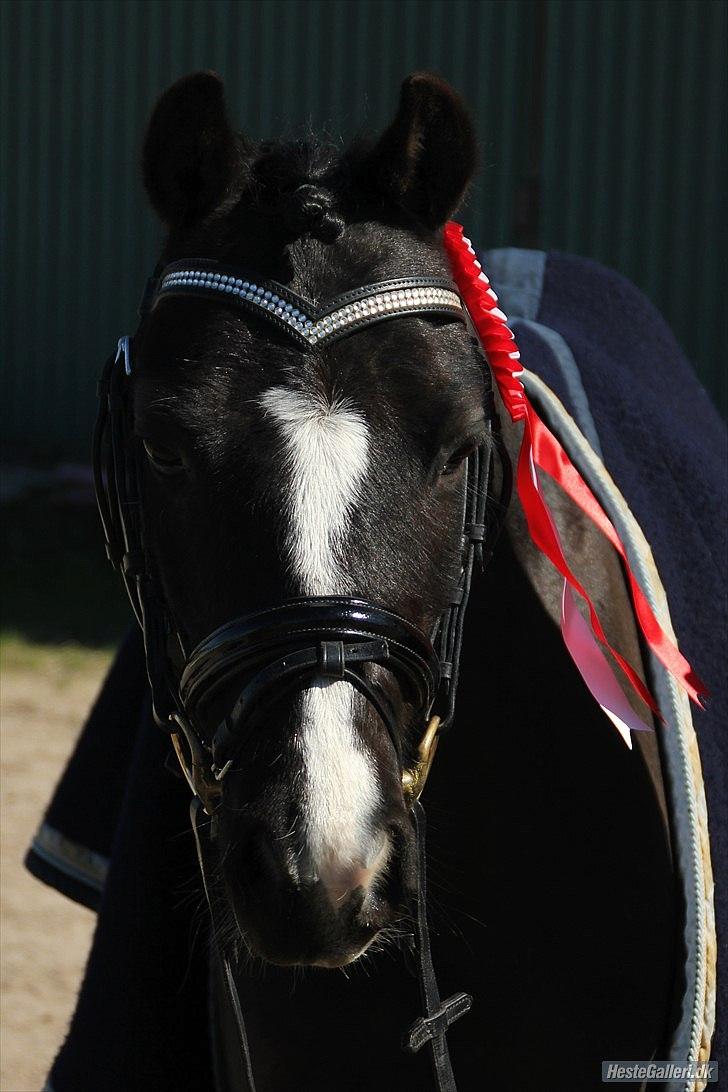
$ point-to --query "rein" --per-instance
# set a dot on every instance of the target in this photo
(281, 649)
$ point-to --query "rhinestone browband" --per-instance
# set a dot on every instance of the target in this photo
(304, 321)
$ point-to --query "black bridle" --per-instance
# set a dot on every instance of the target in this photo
(277, 651)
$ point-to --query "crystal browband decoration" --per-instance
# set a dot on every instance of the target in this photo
(308, 323)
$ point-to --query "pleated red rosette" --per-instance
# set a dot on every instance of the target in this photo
(540, 449)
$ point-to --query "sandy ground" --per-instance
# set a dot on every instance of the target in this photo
(45, 937)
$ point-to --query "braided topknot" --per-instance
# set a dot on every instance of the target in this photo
(310, 210)
(296, 181)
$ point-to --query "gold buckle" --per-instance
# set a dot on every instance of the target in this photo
(194, 770)
(414, 779)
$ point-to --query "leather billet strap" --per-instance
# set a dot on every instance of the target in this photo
(309, 324)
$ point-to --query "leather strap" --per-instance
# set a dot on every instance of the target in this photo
(231, 988)
(249, 643)
(292, 672)
(428, 1029)
(432, 1027)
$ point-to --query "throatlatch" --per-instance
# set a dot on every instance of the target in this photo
(282, 648)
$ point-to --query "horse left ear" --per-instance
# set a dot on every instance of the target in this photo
(426, 159)
(191, 155)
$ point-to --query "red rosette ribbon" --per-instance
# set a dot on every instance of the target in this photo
(540, 449)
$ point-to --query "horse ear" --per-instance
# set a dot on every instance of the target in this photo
(427, 157)
(191, 155)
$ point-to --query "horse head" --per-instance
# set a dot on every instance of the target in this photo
(278, 471)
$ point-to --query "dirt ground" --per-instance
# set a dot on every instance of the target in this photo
(45, 937)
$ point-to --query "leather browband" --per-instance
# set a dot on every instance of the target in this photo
(308, 323)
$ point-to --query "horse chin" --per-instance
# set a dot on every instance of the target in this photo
(333, 962)
(330, 943)
(337, 956)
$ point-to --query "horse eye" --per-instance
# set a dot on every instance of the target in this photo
(457, 458)
(163, 459)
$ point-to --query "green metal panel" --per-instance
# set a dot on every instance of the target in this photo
(634, 156)
(628, 97)
(80, 80)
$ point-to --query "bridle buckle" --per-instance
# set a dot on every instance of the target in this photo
(194, 770)
(415, 778)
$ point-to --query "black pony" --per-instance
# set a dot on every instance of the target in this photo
(268, 475)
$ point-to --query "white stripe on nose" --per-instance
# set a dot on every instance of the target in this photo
(341, 794)
(326, 453)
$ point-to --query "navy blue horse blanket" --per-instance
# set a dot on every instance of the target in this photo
(606, 374)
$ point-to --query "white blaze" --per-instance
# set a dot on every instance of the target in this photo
(327, 453)
(326, 449)
(342, 793)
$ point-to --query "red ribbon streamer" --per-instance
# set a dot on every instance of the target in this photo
(540, 448)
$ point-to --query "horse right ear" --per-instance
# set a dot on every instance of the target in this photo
(191, 156)
(425, 160)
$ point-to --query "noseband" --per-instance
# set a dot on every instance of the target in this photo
(270, 654)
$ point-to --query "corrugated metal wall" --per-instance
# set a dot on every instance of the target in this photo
(79, 77)
(634, 156)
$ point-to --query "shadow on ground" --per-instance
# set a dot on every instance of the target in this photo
(57, 586)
